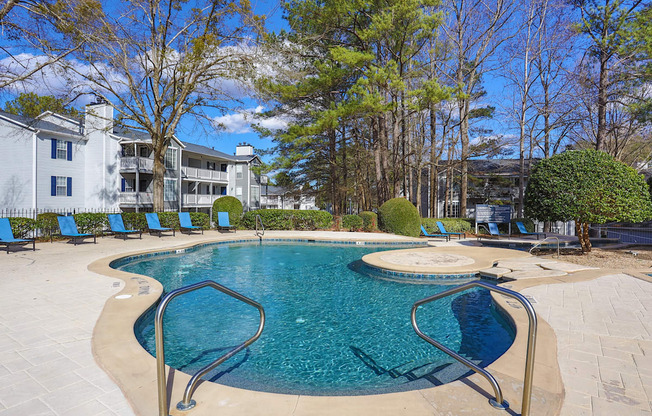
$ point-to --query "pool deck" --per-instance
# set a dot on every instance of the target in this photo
(61, 327)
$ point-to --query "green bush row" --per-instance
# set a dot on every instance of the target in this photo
(229, 204)
(97, 223)
(452, 225)
(352, 222)
(288, 219)
(369, 221)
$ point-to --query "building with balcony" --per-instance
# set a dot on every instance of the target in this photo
(57, 163)
(278, 197)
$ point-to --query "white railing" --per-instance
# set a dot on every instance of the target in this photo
(134, 198)
(132, 162)
(204, 174)
(192, 199)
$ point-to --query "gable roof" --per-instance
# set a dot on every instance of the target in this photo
(208, 151)
(130, 135)
(37, 124)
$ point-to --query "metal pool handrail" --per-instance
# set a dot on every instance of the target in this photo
(498, 402)
(543, 241)
(187, 402)
(259, 234)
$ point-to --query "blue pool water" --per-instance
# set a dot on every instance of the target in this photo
(331, 329)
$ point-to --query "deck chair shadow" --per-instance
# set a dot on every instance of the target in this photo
(7, 236)
(223, 221)
(523, 231)
(185, 223)
(154, 225)
(442, 230)
(68, 228)
(118, 227)
(425, 232)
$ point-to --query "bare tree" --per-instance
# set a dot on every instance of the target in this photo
(157, 61)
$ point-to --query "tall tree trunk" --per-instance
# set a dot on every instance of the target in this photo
(344, 189)
(433, 162)
(602, 103)
(582, 231)
(464, 155)
(332, 158)
(159, 181)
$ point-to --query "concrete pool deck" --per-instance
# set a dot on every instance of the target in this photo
(52, 346)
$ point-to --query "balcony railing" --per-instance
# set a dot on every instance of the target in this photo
(204, 174)
(136, 198)
(131, 163)
(199, 200)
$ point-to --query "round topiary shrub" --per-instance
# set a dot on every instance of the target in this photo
(229, 204)
(400, 217)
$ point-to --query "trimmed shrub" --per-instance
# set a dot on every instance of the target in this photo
(352, 222)
(22, 227)
(369, 221)
(399, 216)
(453, 225)
(229, 204)
(134, 220)
(200, 219)
(288, 219)
(169, 219)
(47, 223)
(91, 222)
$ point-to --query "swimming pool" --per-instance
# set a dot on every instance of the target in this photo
(331, 329)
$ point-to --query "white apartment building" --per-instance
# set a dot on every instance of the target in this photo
(57, 163)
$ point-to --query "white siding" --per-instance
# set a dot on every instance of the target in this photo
(16, 160)
(48, 167)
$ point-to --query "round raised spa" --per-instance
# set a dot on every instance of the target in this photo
(332, 328)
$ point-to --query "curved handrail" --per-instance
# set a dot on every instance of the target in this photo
(187, 402)
(529, 359)
(542, 241)
(259, 219)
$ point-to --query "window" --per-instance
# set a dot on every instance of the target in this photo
(238, 191)
(61, 149)
(61, 186)
(143, 151)
(170, 190)
(223, 167)
(223, 190)
(238, 171)
(128, 185)
(210, 165)
(255, 196)
(171, 158)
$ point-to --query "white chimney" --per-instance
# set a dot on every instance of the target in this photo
(99, 117)
(244, 149)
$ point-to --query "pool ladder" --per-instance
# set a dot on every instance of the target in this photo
(260, 234)
(497, 401)
(187, 403)
(543, 241)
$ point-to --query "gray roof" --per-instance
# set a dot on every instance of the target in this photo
(496, 166)
(37, 124)
(196, 148)
(131, 134)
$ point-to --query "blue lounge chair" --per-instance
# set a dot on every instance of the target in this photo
(523, 231)
(493, 230)
(442, 230)
(118, 227)
(154, 225)
(7, 236)
(68, 228)
(185, 223)
(223, 221)
(424, 232)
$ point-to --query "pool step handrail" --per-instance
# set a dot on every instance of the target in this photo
(543, 241)
(498, 400)
(260, 234)
(187, 403)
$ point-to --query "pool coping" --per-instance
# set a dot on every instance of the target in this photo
(133, 369)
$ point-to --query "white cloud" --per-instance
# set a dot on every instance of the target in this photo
(241, 121)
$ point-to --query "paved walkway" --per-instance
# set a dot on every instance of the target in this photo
(604, 339)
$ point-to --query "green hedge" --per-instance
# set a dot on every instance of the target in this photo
(48, 224)
(369, 221)
(399, 216)
(288, 219)
(22, 227)
(91, 222)
(169, 219)
(352, 222)
(452, 225)
(134, 221)
(229, 204)
(200, 219)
